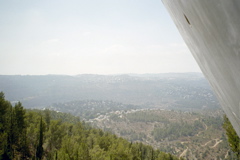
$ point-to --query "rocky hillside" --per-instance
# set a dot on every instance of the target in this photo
(184, 134)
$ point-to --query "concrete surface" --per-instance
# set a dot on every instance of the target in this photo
(211, 30)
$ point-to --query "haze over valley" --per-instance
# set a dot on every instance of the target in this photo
(184, 91)
(147, 108)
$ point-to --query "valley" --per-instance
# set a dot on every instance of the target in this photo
(175, 113)
(186, 91)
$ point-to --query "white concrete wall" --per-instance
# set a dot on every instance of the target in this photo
(211, 30)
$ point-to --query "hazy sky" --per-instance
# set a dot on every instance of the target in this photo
(90, 36)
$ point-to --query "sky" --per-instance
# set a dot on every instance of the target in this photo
(90, 37)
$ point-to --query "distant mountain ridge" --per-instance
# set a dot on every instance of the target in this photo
(181, 90)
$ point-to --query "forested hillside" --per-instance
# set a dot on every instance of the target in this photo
(183, 134)
(35, 134)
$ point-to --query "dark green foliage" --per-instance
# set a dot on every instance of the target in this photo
(4, 107)
(233, 139)
(50, 135)
(39, 152)
(47, 118)
(20, 130)
(13, 141)
(4, 127)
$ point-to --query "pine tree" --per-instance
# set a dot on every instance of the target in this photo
(47, 118)
(19, 113)
(19, 128)
(233, 139)
(5, 107)
(39, 152)
(8, 133)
